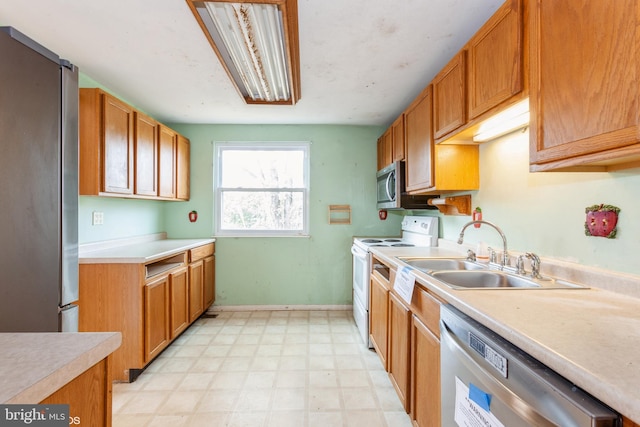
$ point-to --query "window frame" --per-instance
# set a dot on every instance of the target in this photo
(220, 146)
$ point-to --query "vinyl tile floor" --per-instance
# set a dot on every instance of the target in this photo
(263, 369)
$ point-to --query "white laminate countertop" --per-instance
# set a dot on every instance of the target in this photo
(136, 252)
(590, 336)
(35, 365)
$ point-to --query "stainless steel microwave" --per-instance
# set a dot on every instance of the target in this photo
(392, 193)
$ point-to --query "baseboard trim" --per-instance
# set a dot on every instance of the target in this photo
(219, 308)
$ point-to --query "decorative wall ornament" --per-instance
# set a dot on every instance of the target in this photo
(601, 221)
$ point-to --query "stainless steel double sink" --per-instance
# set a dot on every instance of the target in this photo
(460, 273)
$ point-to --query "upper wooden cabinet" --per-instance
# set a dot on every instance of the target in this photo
(487, 76)
(167, 153)
(146, 156)
(385, 149)
(432, 168)
(125, 153)
(450, 96)
(419, 142)
(495, 60)
(584, 84)
(397, 137)
(183, 168)
(391, 144)
(106, 144)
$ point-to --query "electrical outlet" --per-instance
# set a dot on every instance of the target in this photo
(97, 218)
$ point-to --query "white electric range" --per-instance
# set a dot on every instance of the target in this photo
(417, 231)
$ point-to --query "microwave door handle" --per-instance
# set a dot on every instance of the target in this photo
(387, 185)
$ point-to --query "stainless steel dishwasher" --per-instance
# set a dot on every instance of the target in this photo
(487, 381)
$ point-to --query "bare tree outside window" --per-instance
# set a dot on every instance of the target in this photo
(262, 189)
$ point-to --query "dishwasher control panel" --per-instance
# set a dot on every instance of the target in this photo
(495, 359)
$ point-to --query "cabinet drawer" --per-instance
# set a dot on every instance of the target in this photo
(201, 252)
(427, 308)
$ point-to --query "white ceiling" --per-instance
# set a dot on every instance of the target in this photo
(362, 61)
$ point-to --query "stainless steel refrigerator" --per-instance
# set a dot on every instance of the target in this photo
(39, 187)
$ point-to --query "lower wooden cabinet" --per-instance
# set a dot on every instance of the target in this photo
(196, 289)
(425, 376)
(88, 396)
(149, 304)
(399, 347)
(209, 281)
(407, 339)
(379, 316)
(156, 317)
(179, 286)
(202, 290)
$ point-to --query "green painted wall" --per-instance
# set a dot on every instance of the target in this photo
(298, 270)
(122, 218)
(544, 212)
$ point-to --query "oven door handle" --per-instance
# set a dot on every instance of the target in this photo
(450, 342)
(358, 253)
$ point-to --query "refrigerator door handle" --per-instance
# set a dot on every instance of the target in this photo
(69, 317)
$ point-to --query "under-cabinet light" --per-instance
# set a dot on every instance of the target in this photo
(509, 120)
(257, 44)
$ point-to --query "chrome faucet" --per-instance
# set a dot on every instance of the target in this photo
(505, 254)
(535, 265)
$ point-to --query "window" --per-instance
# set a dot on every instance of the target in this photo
(262, 189)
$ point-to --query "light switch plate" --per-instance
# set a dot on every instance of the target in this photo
(97, 218)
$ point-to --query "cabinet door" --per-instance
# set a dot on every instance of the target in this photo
(385, 147)
(167, 140)
(419, 143)
(449, 96)
(196, 295)
(179, 301)
(584, 82)
(156, 317)
(379, 317)
(88, 396)
(495, 60)
(209, 265)
(183, 169)
(399, 343)
(117, 146)
(397, 133)
(425, 376)
(146, 156)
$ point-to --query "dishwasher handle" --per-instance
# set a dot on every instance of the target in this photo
(495, 387)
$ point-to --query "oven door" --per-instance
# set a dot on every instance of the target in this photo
(361, 271)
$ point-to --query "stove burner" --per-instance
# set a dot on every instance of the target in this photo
(377, 245)
(392, 240)
(371, 241)
(402, 244)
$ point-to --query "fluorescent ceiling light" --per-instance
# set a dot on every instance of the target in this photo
(257, 43)
(509, 120)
